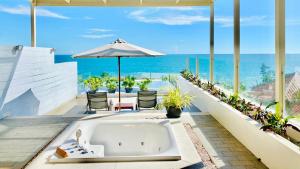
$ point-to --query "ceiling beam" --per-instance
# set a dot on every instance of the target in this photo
(121, 3)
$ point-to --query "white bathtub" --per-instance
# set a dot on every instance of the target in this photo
(111, 140)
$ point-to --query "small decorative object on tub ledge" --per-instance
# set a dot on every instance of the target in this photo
(71, 151)
(61, 152)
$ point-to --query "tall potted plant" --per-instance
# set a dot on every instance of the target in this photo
(175, 101)
(93, 83)
(111, 84)
(144, 84)
(128, 83)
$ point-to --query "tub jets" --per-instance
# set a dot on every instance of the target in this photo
(78, 135)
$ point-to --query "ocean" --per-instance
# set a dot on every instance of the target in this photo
(250, 66)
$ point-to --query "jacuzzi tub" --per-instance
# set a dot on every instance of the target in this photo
(111, 140)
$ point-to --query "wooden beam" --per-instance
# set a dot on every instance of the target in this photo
(33, 24)
(212, 42)
(236, 46)
(280, 55)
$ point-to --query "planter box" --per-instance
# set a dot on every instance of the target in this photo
(274, 151)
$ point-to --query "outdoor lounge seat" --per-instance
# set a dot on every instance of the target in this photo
(97, 100)
(146, 99)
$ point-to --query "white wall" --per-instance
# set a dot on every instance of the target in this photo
(38, 85)
(9, 56)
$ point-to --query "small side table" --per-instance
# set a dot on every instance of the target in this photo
(124, 106)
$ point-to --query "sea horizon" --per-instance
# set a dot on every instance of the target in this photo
(250, 66)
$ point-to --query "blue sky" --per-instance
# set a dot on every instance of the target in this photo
(169, 30)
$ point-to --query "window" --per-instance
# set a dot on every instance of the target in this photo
(257, 61)
(292, 77)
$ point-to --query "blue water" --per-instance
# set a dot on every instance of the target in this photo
(155, 66)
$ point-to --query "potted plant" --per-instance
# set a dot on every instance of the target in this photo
(93, 83)
(105, 76)
(128, 83)
(175, 101)
(144, 84)
(111, 84)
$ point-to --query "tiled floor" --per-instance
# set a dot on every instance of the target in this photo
(22, 138)
(226, 151)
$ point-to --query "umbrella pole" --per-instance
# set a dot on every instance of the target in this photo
(119, 65)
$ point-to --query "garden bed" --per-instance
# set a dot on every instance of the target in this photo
(275, 151)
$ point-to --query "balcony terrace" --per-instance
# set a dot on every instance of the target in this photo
(46, 105)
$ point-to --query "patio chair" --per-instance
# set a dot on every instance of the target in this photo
(97, 100)
(146, 99)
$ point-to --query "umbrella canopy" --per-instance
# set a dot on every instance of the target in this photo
(118, 48)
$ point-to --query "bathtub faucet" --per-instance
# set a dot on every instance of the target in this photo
(78, 134)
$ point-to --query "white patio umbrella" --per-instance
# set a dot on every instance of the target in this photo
(118, 48)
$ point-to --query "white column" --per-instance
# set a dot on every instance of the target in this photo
(197, 67)
(33, 24)
(212, 42)
(236, 46)
(280, 55)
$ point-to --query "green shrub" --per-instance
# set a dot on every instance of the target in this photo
(267, 75)
(93, 83)
(296, 95)
(111, 83)
(270, 121)
(128, 82)
(176, 99)
(144, 84)
(105, 76)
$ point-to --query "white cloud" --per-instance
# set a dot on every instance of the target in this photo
(91, 36)
(292, 22)
(98, 33)
(88, 18)
(178, 19)
(189, 16)
(24, 10)
(94, 30)
(185, 8)
(226, 21)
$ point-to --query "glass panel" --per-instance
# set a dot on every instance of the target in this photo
(257, 62)
(224, 44)
(155, 68)
(292, 58)
(203, 62)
